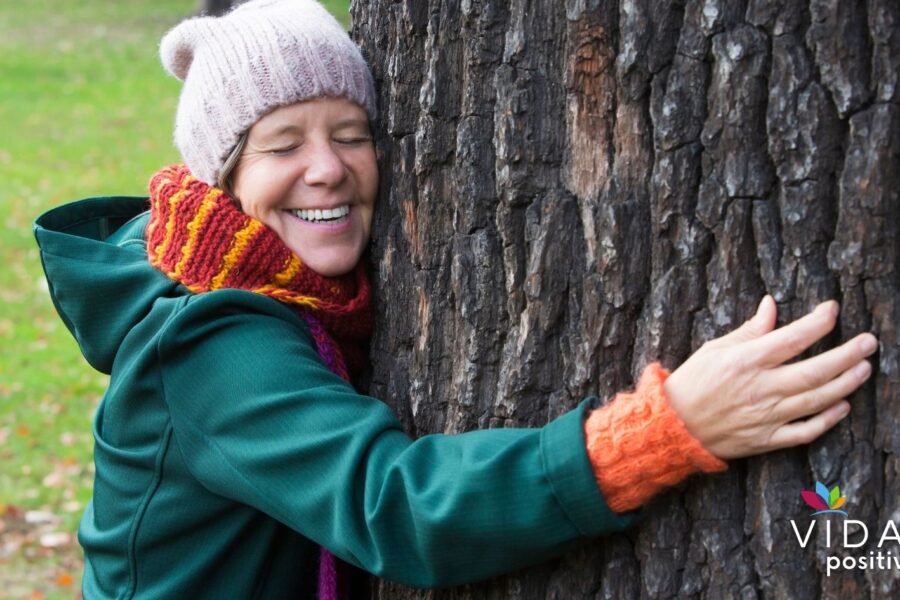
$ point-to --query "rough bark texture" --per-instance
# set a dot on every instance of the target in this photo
(572, 189)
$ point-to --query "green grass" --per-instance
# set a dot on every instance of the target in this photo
(86, 110)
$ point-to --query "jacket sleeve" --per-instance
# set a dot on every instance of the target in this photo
(260, 419)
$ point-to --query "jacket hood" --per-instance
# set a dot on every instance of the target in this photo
(94, 257)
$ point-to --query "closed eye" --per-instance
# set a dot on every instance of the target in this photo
(354, 141)
(285, 150)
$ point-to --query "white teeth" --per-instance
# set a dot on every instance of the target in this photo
(321, 215)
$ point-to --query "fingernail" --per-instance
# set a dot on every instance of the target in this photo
(845, 410)
(863, 370)
(868, 344)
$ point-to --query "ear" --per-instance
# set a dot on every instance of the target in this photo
(176, 50)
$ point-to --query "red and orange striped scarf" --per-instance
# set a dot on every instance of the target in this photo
(200, 238)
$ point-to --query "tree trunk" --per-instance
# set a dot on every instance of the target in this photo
(574, 189)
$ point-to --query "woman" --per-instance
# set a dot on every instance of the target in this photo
(233, 317)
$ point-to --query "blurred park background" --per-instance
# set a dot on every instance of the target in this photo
(86, 109)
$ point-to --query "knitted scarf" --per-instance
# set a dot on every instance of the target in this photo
(199, 237)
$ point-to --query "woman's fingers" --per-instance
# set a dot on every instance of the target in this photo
(811, 373)
(803, 432)
(790, 340)
(760, 324)
(820, 398)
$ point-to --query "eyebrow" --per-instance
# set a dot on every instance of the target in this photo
(342, 124)
(351, 122)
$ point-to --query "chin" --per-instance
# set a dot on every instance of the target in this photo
(329, 262)
(331, 268)
(331, 271)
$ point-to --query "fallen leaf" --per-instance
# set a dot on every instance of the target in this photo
(40, 516)
(53, 479)
(36, 595)
(23, 430)
(55, 539)
(64, 580)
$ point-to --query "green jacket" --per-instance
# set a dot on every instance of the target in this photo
(226, 451)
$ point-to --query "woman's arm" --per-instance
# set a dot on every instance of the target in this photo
(734, 397)
(259, 418)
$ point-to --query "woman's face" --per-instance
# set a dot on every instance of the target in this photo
(305, 159)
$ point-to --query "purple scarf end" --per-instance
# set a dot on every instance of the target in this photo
(334, 583)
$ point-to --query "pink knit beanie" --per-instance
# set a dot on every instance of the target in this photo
(238, 67)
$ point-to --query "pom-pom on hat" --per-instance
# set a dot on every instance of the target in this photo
(238, 67)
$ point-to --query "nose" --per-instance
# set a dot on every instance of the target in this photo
(324, 166)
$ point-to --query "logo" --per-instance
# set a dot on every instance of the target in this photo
(824, 501)
(850, 548)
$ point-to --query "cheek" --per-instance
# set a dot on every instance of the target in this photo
(241, 189)
(257, 191)
(368, 178)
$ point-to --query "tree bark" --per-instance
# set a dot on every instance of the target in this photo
(574, 189)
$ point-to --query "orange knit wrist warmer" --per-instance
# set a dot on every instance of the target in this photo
(638, 445)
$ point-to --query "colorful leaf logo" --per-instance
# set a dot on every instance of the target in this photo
(824, 501)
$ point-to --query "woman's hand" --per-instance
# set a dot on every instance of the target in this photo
(737, 397)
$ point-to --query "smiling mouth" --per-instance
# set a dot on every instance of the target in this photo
(322, 216)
